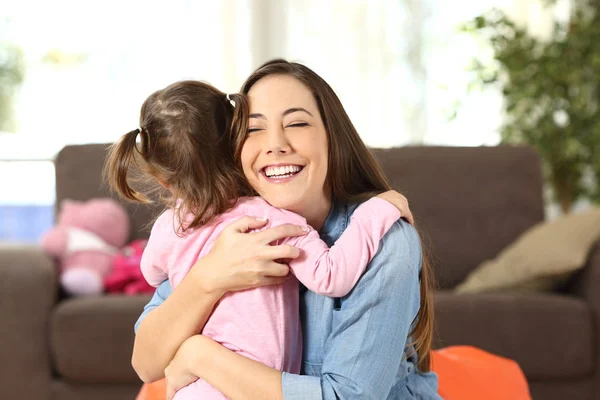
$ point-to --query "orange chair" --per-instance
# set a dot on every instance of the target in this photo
(464, 373)
(468, 373)
(153, 391)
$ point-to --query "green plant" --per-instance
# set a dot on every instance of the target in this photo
(12, 72)
(551, 89)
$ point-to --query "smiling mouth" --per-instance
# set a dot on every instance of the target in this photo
(281, 171)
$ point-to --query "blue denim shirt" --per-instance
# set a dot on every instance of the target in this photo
(355, 347)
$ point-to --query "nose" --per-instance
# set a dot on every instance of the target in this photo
(277, 142)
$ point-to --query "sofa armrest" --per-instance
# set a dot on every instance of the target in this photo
(586, 283)
(28, 290)
(586, 286)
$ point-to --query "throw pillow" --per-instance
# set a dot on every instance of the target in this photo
(542, 257)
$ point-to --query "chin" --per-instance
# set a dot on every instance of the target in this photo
(285, 202)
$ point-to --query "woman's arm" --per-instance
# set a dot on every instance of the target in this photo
(161, 331)
(222, 368)
(371, 326)
(184, 312)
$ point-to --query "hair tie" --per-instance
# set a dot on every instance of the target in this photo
(232, 102)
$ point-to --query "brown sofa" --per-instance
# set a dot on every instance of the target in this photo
(469, 203)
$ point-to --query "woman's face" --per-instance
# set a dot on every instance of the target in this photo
(286, 151)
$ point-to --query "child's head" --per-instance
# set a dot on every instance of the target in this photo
(185, 147)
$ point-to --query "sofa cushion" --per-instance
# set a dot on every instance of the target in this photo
(469, 202)
(64, 391)
(550, 336)
(92, 339)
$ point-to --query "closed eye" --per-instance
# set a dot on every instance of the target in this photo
(250, 130)
(298, 125)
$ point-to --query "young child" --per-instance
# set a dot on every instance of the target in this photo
(185, 147)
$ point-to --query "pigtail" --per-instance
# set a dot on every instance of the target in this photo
(117, 168)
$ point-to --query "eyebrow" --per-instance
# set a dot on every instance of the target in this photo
(296, 109)
(286, 112)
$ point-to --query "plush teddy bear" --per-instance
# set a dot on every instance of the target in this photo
(85, 240)
(126, 275)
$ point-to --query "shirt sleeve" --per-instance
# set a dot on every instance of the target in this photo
(364, 351)
(160, 295)
(154, 263)
(334, 271)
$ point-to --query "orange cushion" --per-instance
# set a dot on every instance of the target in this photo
(468, 373)
(153, 391)
(464, 373)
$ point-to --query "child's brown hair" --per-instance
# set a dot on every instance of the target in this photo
(185, 147)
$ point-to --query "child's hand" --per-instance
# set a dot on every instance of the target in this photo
(179, 373)
(400, 202)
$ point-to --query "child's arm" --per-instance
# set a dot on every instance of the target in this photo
(154, 258)
(334, 271)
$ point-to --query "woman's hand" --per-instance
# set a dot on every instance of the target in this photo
(178, 373)
(241, 259)
(400, 202)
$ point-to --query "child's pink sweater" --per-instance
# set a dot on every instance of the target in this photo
(263, 323)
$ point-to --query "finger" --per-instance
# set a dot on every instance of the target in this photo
(275, 270)
(269, 280)
(279, 232)
(409, 217)
(246, 224)
(282, 251)
(170, 391)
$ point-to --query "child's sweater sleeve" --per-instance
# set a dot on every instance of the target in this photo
(155, 257)
(334, 271)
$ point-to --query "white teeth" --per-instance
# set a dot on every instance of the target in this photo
(283, 170)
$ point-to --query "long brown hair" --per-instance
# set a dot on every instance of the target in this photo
(184, 147)
(353, 174)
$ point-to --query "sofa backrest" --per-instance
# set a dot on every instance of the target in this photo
(79, 177)
(469, 202)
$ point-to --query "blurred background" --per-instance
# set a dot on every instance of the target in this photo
(407, 71)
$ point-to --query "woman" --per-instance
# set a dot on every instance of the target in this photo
(372, 344)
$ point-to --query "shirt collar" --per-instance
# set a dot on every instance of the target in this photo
(335, 224)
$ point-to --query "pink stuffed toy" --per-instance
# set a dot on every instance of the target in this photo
(85, 240)
(126, 276)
